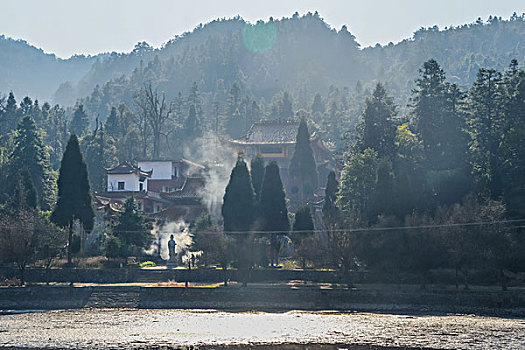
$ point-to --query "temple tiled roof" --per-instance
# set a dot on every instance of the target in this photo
(175, 212)
(272, 131)
(192, 188)
(128, 168)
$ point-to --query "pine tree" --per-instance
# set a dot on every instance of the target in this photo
(113, 124)
(257, 173)
(80, 122)
(9, 115)
(285, 107)
(486, 122)
(302, 165)
(239, 200)
(191, 125)
(130, 228)
(318, 104)
(30, 153)
(441, 126)
(273, 211)
(100, 153)
(74, 193)
(378, 128)
(25, 195)
(513, 144)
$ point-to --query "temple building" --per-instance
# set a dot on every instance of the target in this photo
(274, 140)
(163, 189)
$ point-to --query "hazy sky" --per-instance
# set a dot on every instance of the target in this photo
(67, 27)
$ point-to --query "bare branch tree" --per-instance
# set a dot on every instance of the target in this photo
(156, 112)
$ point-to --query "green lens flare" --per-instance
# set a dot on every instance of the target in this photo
(259, 37)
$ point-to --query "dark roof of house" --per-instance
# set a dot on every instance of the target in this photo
(180, 161)
(272, 131)
(128, 168)
(123, 195)
(174, 212)
(192, 188)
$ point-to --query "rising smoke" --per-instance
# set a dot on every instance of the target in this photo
(181, 235)
(220, 160)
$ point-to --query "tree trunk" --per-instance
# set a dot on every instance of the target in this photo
(21, 269)
(69, 239)
(457, 282)
(503, 280)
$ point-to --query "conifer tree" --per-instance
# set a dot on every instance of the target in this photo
(302, 165)
(100, 154)
(131, 229)
(9, 115)
(358, 182)
(192, 128)
(25, 195)
(273, 211)
(285, 107)
(257, 173)
(330, 198)
(113, 124)
(303, 234)
(239, 200)
(318, 104)
(30, 153)
(378, 129)
(80, 122)
(74, 193)
(486, 122)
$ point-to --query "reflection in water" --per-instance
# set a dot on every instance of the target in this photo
(88, 328)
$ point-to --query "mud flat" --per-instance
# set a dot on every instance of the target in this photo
(207, 329)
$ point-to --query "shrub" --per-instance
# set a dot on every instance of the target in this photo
(112, 247)
(147, 264)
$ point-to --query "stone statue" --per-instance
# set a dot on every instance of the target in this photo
(171, 250)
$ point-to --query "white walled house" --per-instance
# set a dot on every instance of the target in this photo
(161, 170)
(162, 189)
(127, 178)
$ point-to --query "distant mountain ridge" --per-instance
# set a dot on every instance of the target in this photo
(27, 70)
(307, 56)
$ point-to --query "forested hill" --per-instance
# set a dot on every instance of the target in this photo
(302, 55)
(29, 71)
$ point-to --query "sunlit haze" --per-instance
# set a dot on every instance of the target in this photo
(67, 27)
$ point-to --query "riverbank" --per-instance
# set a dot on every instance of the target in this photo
(266, 297)
(212, 329)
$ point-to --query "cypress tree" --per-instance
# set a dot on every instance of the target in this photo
(257, 172)
(302, 165)
(303, 234)
(74, 193)
(274, 214)
(303, 219)
(329, 205)
(239, 200)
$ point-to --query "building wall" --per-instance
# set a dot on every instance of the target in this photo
(162, 170)
(131, 182)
